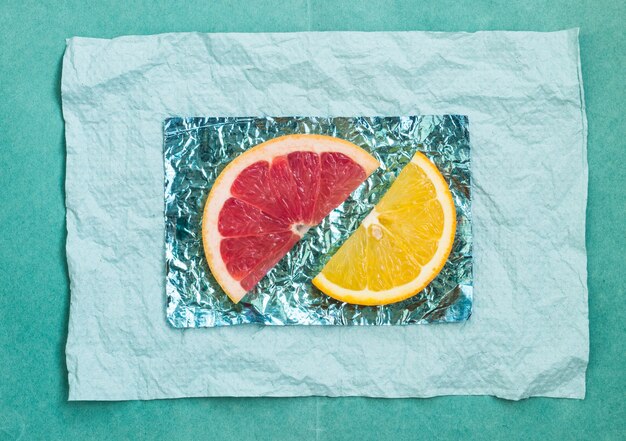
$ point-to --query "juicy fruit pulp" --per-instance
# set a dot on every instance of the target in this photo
(272, 206)
(400, 246)
(270, 197)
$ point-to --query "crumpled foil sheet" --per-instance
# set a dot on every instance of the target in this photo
(197, 149)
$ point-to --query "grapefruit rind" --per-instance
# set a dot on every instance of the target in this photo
(267, 151)
(428, 272)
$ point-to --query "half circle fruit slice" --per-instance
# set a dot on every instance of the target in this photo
(267, 198)
(401, 246)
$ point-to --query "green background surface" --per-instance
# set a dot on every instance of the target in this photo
(35, 291)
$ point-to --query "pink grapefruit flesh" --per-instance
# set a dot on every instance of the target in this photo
(266, 199)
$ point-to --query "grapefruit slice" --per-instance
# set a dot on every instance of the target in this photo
(401, 246)
(266, 199)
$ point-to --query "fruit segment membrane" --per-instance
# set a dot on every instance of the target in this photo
(273, 203)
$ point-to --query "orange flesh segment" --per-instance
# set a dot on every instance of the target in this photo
(400, 246)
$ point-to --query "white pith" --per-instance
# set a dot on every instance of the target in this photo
(267, 151)
(428, 271)
(300, 229)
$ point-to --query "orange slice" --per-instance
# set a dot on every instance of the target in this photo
(266, 199)
(401, 246)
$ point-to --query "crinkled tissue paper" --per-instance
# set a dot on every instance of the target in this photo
(522, 94)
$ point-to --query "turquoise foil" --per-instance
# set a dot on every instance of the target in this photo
(197, 149)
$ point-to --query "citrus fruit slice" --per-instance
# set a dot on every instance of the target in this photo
(267, 198)
(400, 246)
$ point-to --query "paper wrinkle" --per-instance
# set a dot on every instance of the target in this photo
(522, 92)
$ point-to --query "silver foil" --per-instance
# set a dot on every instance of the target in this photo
(197, 149)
